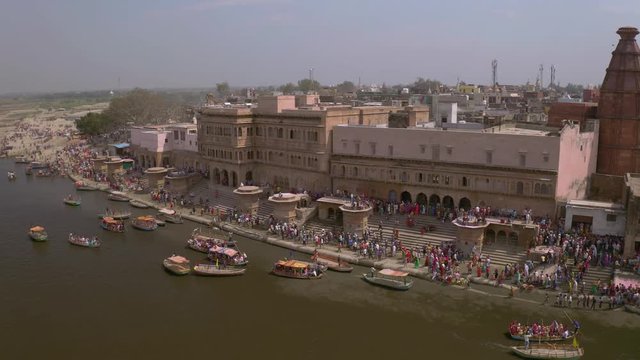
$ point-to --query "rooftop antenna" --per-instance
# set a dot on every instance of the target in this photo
(553, 75)
(494, 72)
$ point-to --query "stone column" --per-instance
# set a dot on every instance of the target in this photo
(155, 176)
(249, 199)
(355, 219)
(284, 206)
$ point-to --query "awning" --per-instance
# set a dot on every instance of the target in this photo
(120, 145)
(390, 272)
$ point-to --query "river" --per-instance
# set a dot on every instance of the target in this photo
(116, 302)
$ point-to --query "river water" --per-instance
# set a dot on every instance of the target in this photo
(59, 301)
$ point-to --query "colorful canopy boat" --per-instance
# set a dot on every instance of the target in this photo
(296, 269)
(138, 204)
(85, 241)
(551, 332)
(388, 278)
(213, 270)
(549, 351)
(118, 196)
(72, 200)
(146, 223)
(177, 265)
(82, 186)
(228, 256)
(202, 243)
(38, 233)
(111, 224)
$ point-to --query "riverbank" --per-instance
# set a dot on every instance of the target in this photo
(473, 284)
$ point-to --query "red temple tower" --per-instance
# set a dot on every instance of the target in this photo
(619, 109)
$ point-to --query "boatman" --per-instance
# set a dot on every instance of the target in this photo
(526, 341)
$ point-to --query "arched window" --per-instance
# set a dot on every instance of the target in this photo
(519, 188)
(464, 181)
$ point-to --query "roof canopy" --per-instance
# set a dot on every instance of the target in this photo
(293, 264)
(120, 145)
(390, 272)
(37, 228)
(178, 259)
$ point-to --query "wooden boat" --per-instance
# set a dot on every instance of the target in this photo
(73, 201)
(11, 175)
(632, 308)
(22, 160)
(35, 165)
(118, 196)
(199, 245)
(111, 224)
(138, 204)
(549, 351)
(38, 233)
(228, 256)
(85, 241)
(160, 222)
(208, 240)
(118, 215)
(170, 216)
(177, 265)
(552, 332)
(213, 270)
(388, 278)
(146, 223)
(332, 264)
(296, 269)
(82, 186)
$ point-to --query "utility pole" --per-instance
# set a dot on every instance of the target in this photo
(494, 72)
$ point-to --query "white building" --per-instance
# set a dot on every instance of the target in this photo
(603, 218)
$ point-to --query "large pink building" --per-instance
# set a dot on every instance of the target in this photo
(504, 167)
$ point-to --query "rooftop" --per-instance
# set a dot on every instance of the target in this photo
(596, 204)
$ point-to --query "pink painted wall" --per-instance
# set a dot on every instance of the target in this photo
(577, 161)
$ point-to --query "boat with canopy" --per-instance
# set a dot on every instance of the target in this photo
(392, 279)
(38, 233)
(178, 265)
(296, 269)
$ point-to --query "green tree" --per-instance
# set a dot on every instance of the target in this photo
(94, 124)
(141, 106)
(288, 88)
(307, 85)
(223, 89)
(346, 87)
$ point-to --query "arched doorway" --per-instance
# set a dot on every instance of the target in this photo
(405, 197)
(234, 179)
(489, 237)
(447, 202)
(421, 199)
(513, 239)
(331, 214)
(464, 203)
(225, 178)
(501, 238)
(248, 177)
(392, 196)
(216, 176)
(434, 200)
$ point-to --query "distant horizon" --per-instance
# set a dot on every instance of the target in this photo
(70, 46)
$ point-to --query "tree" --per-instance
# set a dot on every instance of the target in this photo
(574, 89)
(346, 87)
(94, 124)
(223, 89)
(422, 86)
(288, 88)
(307, 85)
(141, 106)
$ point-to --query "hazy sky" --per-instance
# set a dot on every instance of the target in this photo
(59, 45)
